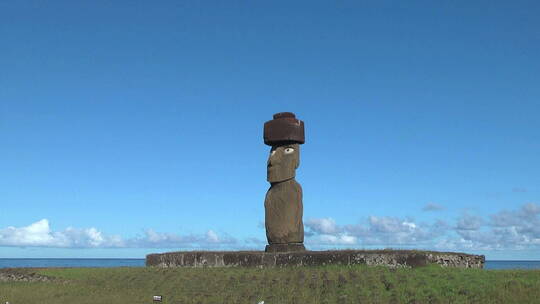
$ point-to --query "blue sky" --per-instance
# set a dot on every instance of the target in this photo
(133, 127)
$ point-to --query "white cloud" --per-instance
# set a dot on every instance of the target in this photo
(338, 240)
(469, 222)
(432, 207)
(322, 226)
(35, 234)
(506, 229)
(212, 237)
(40, 234)
(411, 226)
(515, 229)
(325, 232)
(375, 231)
(530, 209)
(386, 224)
(153, 239)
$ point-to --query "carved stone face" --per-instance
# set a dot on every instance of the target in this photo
(282, 162)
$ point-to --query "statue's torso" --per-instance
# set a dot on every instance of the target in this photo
(283, 213)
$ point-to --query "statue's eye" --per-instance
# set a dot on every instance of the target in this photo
(289, 150)
(272, 152)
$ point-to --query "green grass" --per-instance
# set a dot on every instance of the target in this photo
(306, 285)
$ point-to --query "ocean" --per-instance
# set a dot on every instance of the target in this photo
(16, 263)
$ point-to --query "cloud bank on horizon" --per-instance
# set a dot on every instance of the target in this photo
(507, 229)
(40, 234)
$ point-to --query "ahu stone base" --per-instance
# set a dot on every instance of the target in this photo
(291, 247)
(391, 258)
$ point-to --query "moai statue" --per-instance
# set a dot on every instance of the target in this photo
(283, 203)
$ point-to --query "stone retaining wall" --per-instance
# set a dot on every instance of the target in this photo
(22, 275)
(392, 258)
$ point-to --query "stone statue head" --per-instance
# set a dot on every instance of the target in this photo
(284, 134)
(282, 162)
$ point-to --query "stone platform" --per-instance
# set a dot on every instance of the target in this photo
(391, 258)
(294, 247)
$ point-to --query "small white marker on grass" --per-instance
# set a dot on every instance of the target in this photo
(158, 298)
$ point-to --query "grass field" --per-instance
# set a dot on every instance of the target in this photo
(309, 285)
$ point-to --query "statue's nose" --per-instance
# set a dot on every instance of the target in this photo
(273, 159)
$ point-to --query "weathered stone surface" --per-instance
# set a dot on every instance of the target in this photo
(451, 260)
(268, 260)
(285, 127)
(282, 163)
(283, 202)
(391, 258)
(321, 258)
(290, 247)
(413, 260)
(283, 213)
(22, 275)
(285, 259)
(242, 259)
(189, 258)
(208, 258)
